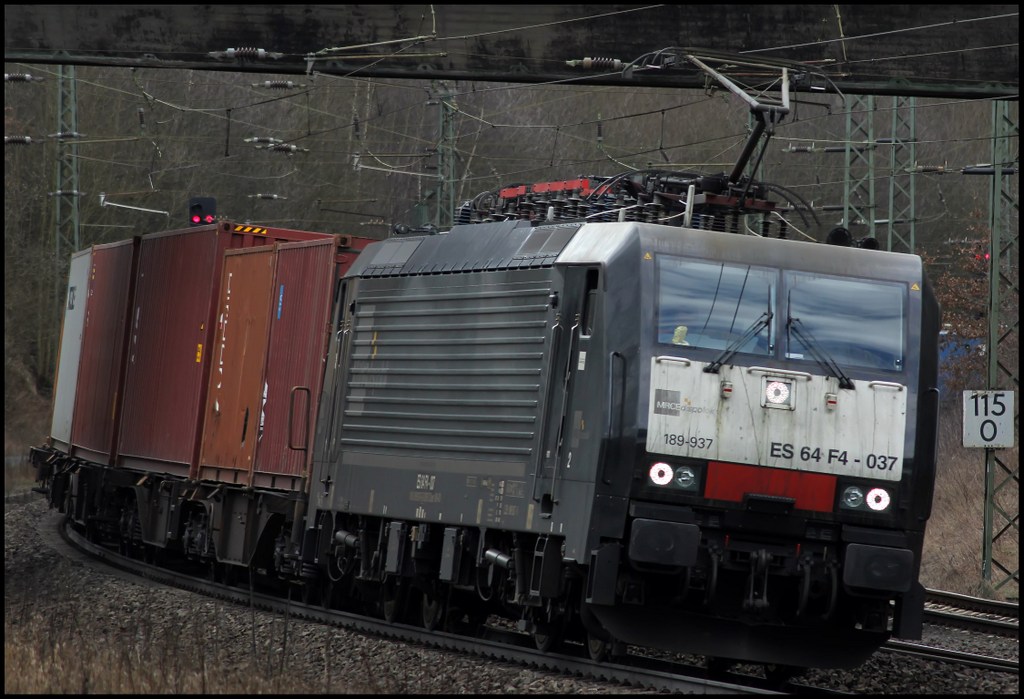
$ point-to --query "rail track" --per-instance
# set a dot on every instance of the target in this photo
(972, 613)
(502, 643)
(493, 643)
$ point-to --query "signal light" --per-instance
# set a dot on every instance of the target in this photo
(202, 210)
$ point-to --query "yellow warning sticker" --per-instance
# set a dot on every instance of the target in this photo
(915, 287)
(199, 353)
(647, 256)
(250, 229)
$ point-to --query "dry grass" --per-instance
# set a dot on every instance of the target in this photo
(954, 538)
(18, 477)
(53, 653)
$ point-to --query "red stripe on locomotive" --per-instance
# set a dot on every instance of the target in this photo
(812, 491)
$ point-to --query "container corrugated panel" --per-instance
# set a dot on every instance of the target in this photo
(101, 369)
(300, 315)
(172, 327)
(234, 406)
(168, 347)
(66, 383)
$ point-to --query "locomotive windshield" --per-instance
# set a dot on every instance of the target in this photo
(713, 305)
(857, 323)
(738, 308)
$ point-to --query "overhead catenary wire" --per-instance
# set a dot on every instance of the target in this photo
(563, 130)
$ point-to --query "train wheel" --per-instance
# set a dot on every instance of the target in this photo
(598, 648)
(546, 637)
(431, 610)
(311, 591)
(548, 628)
(393, 600)
(328, 594)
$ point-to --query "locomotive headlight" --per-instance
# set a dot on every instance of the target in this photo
(853, 497)
(661, 474)
(865, 498)
(777, 393)
(878, 499)
(686, 478)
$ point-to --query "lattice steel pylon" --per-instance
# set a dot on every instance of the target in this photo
(66, 198)
(859, 203)
(901, 225)
(445, 199)
(1002, 478)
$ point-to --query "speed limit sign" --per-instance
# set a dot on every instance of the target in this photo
(988, 419)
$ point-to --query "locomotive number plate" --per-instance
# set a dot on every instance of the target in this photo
(823, 428)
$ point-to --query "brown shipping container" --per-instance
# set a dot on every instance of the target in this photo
(300, 316)
(102, 362)
(239, 352)
(268, 357)
(171, 329)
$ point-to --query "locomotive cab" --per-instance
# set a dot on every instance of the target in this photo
(782, 465)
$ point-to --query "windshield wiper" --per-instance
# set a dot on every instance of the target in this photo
(820, 355)
(759, 324)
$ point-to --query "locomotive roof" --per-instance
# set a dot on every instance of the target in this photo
(516, 244)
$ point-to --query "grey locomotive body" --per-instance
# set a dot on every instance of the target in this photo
(633, 433)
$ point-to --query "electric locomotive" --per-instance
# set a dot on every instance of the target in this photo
(630, 432)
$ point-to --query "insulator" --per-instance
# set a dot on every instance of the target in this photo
(66, 193)
(18, 140)
(267, 196)
(67, 134)
(602, 62)
(286, 148)
(246, 52)
(20, 78)
(652, 211)
(277, 84)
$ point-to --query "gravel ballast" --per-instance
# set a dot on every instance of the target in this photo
(40, 583)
